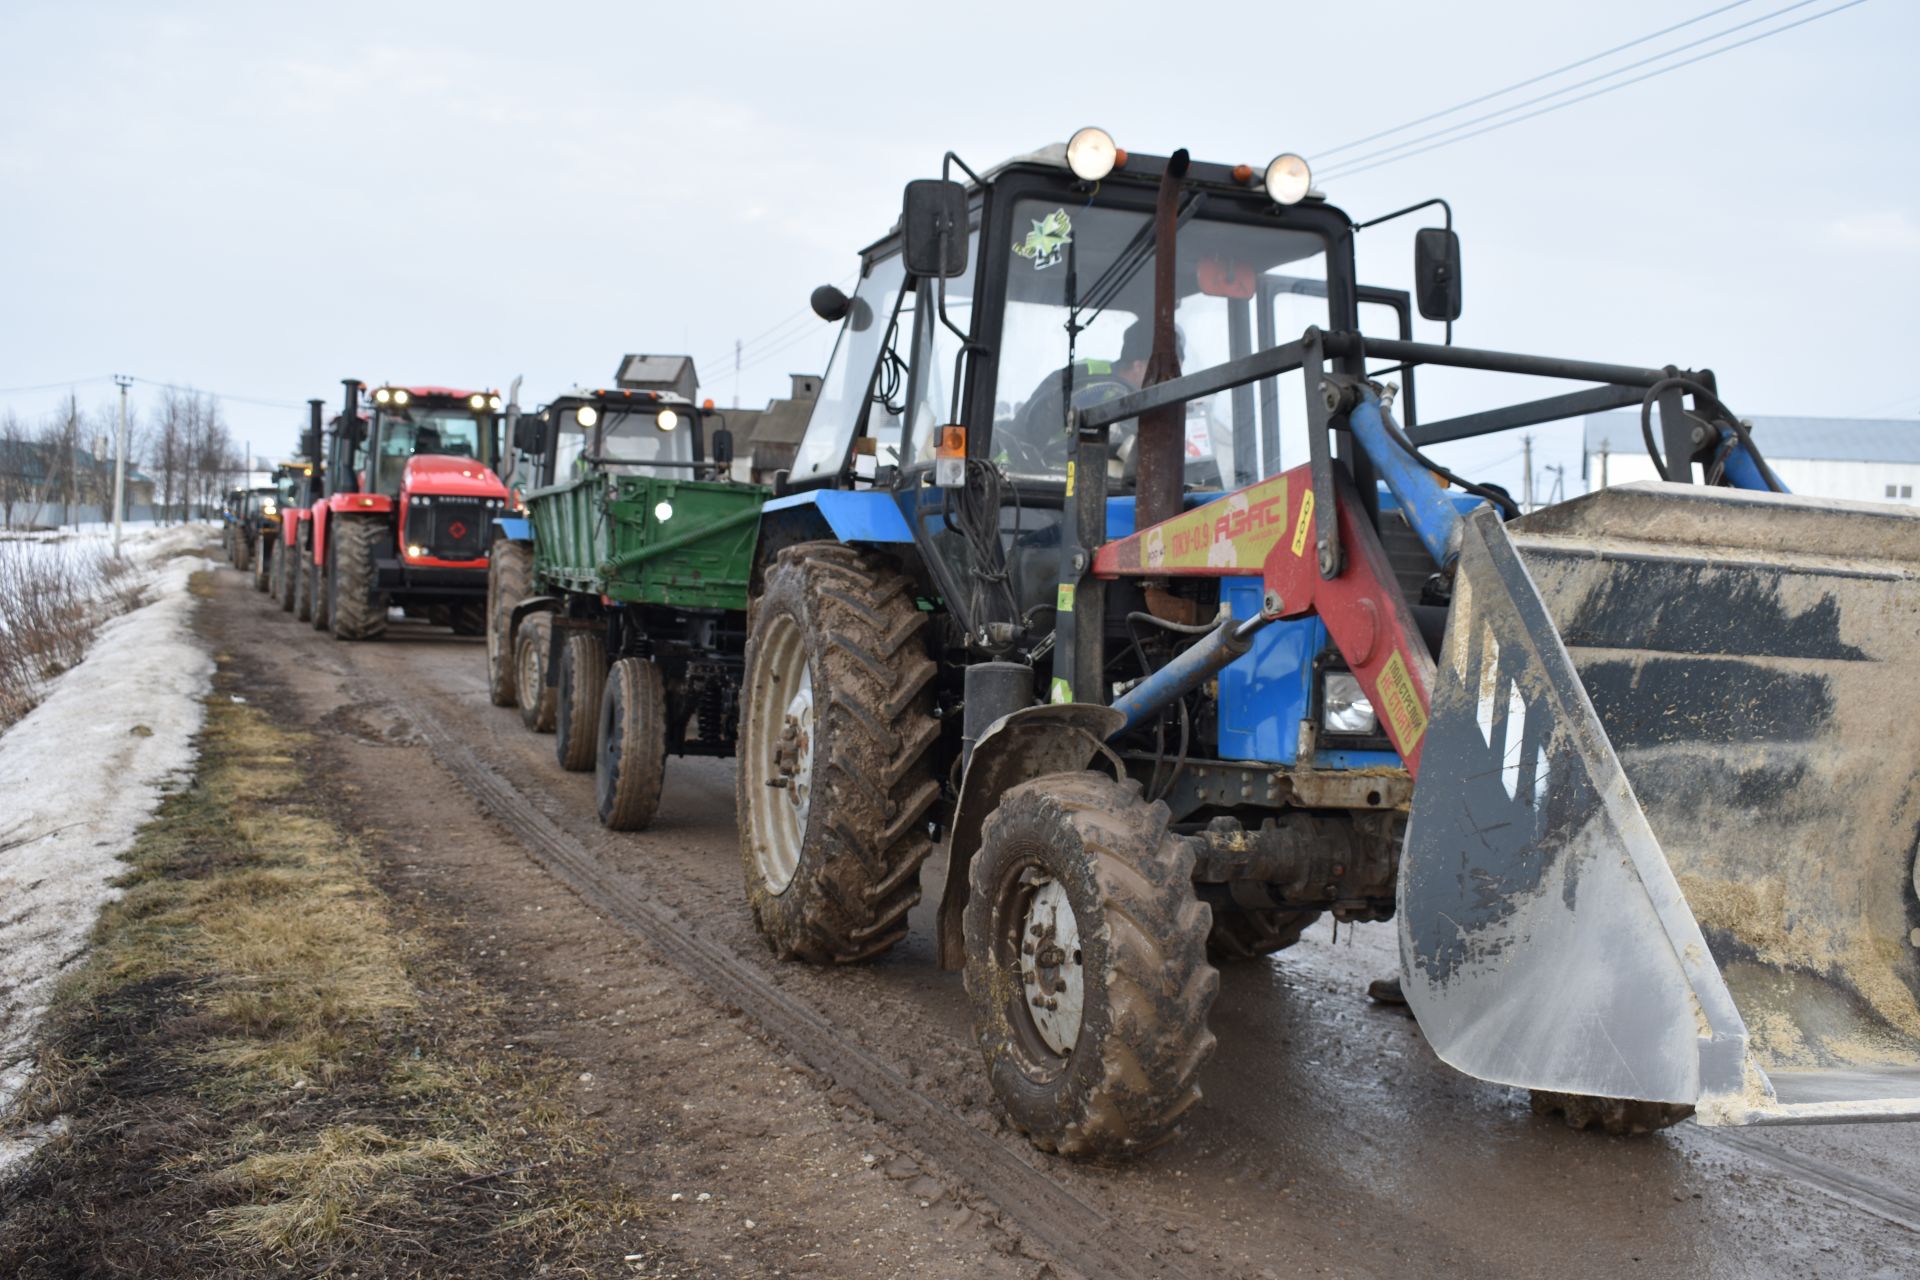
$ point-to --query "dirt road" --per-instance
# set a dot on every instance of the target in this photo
(837, 1123)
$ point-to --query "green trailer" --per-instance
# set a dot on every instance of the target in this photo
(617, 603)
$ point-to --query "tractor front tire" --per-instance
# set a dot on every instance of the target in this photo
(631, 758)
(355, 611)
(1622, 1117)
(509, 581)
(262, 563)
(301, 573)
(583, 676)
(277, 579)
(530, 688)
(836, 769)
(1087, 965)
(468, 619)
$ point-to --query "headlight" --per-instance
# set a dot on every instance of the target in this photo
(1344, 707)
(493, 402)
(1288, 179)
(400, 395)
(666, 420)
(1091, 154)
(588, 415)
(382, 396)
(268, 507)
(663, 511)
(476, 401)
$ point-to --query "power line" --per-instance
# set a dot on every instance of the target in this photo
(1349, 165)
(1357, 168)
(55, 386)
(220, 395)
(1531, 80)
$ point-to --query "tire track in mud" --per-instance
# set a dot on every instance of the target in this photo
(1080, 1235)
(1865, 1192)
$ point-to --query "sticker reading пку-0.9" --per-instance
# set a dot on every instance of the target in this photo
(1049, 236)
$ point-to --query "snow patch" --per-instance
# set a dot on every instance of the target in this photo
(79, 776)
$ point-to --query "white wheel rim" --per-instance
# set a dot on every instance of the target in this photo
(527, 678)
(1050, 967)
(780, 752)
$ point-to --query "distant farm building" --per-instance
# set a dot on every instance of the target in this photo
(1864, 459)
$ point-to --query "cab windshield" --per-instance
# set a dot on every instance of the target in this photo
(1241, 287)
(407, 433)
(632, 440)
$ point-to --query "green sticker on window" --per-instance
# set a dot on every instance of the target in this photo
(1044, 243)
(1061, 691)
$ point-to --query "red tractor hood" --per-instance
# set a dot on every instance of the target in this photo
(450, 477)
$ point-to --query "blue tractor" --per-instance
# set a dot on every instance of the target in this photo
(1112, 565)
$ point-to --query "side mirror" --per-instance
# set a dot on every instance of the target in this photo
(722, 442)
(933, 223)
(1436, 273)
(829, 303)
(530, 436)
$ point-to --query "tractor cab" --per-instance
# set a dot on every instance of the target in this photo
(446, 430)
(618, 433)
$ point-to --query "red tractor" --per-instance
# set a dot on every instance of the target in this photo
(406, 521)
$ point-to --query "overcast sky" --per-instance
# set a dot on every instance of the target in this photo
(261, 199)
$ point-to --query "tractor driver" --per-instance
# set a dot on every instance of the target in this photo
(1035, 442)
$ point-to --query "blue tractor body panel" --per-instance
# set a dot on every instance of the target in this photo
(852, 515)
(514, 528)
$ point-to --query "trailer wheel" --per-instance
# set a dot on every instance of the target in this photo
(531, 690)
(835, 775)
(1251, 933)
(354, 610)
(1619, 1116)
(631, 758)
(303, 578)
(509, 580)
(1087, 965)
(583, 674)
(262, 563)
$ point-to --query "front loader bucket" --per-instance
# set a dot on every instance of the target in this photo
(1664, 840)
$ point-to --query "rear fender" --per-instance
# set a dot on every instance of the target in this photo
(1030, 743)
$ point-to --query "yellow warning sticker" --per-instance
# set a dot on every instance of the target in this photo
(1061, 691)
(1303, 522)
(1069, 477)
(1400, 704)
(1063, 602)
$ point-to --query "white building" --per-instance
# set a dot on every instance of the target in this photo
(1865, 459)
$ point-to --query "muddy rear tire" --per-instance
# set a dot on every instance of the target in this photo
(1253, 933)
(631, 756)
(836, 773)
(262, 563)
(531, 691)
(509, 579)
(355, 610)
(1623, 1117)
(583, 677)
(1087, 965)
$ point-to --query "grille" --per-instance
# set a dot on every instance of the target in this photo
(451, 528)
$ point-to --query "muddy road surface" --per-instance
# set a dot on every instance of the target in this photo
(838, 1123)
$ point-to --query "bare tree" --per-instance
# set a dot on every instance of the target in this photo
(16, 466)
(169, 451)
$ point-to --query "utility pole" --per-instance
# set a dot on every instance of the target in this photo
(736, 373)
(1603, 464)
(1526, 475)
(120, 461)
